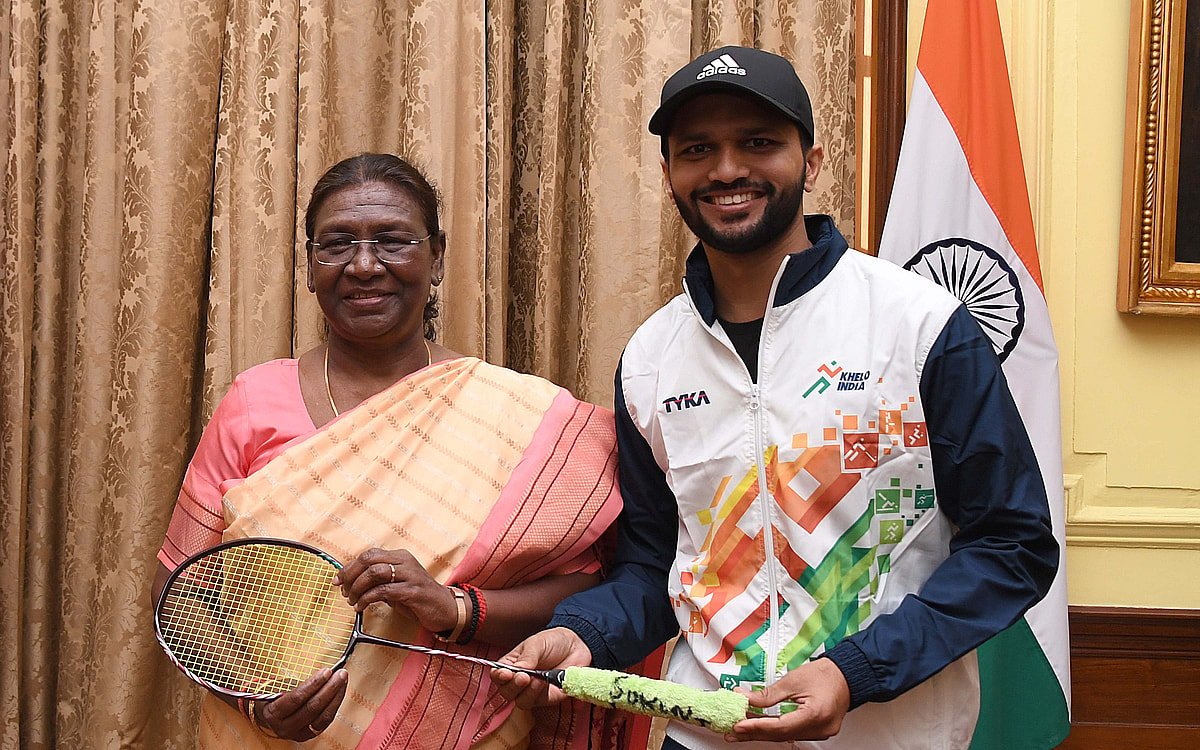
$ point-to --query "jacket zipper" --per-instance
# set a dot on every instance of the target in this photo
(770, 666)
(764, 496)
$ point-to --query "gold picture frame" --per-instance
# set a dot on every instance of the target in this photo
(1152, 279)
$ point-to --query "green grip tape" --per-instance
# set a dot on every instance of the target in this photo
(717, 710)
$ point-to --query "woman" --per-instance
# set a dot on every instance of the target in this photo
(465, 499)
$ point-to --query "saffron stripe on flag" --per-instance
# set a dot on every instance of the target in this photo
(968, 76)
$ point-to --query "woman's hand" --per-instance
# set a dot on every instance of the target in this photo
(306, 711)
(394, 576)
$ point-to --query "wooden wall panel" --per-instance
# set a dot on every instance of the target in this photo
(1135, 679)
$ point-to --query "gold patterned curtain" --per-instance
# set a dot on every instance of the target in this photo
(157, 156)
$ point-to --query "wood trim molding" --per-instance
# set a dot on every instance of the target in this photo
(890, 105)
(880, 110)
(1135, 678)
(1135, 632)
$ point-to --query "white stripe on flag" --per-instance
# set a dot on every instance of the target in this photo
(935, 197)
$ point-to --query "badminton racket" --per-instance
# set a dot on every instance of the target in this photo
(254, 618)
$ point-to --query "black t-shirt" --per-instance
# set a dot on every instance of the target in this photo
(745, 340)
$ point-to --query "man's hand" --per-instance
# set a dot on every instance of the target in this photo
(557, 648)
(822, 696)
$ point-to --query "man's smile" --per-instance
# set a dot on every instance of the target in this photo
(730, 200)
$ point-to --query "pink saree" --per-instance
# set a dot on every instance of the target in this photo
(488, 477)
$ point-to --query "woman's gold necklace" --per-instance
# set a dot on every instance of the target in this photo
(329, 392)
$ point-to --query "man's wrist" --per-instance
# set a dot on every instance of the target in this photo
(601, 656)
(856, 669)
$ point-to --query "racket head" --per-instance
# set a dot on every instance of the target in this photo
(255, 617)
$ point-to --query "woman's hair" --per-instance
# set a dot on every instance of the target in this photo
(389, 170)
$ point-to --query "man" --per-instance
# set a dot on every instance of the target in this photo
(827, 486)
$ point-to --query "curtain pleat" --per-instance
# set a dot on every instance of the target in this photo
(250, 286)
(157, 161)
(22, 712)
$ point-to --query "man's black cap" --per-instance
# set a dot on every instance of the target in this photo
(766, 76)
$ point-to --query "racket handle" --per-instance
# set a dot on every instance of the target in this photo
(552, 676)
(780, 708)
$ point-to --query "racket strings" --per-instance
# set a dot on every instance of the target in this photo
(256, 619)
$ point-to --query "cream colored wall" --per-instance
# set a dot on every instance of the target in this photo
(1130, 384)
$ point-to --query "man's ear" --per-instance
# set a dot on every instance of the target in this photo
(813, 160)
(667, 178)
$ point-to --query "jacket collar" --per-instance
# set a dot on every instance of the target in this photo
(803, 270)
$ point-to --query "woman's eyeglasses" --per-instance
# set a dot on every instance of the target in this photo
(340, 249)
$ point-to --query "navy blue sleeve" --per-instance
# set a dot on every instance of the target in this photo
(624, 618)
(1003, 555)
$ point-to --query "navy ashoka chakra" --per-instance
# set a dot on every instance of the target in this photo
(980, 277)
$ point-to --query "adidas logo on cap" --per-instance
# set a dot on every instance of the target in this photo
(723, 64)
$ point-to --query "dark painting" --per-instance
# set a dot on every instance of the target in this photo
(1187, 205)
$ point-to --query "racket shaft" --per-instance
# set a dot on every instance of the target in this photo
(552, 676)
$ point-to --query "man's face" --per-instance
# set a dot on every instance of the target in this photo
(738, 171)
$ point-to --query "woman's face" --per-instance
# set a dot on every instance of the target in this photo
(366, 301)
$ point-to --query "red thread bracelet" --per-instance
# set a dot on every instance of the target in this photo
(482, 606)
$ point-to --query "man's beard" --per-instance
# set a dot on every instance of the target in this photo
(781, 210)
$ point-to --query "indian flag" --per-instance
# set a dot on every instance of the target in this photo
(960, 216)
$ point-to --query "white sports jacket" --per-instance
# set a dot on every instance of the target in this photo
(815, 511)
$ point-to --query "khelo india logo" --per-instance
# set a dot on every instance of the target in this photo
(847, 380)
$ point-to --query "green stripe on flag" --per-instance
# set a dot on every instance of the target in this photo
(1017, 682)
